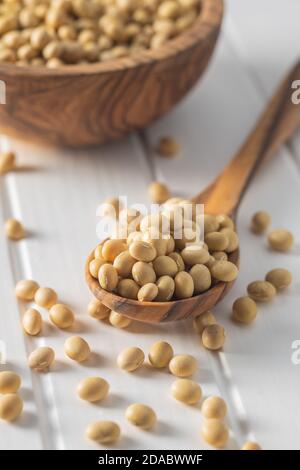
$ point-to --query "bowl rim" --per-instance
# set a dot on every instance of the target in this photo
(208, 22)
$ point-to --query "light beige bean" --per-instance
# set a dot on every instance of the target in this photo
(165, 266)
(95, 265)
(118, 320)
(214, 408)
(183, 365)
(108, 277)
(143, 273)
(14, 229)
(148, 292)
(166, 288)
(158, 192)
(216, 241)
(244, 310)
(32, 322)
(249, 445)
(97, 309)
(141, 416)
(280, 278)
(194, 254)
(131, 359)
(202, 321)
(224, 271)
(220, 255)
(260, 222)
(111, 249)
(160, 354)
(10, 382)
(11, 406)
(128, 288)
(178, 260)
(281, 240)
(26, 289)
(103, 432)
(155, 239)
(215, 433)
(93, 389)
(225, 221)
(142, 251)
(77, 348)
(201, 277)
(184, 285)
(211, 223)
(62, 316)
(261, 291)
(45, 297)
(41, 359)
(233, 239)
(187, 391)
(213, 337)
(124, 263)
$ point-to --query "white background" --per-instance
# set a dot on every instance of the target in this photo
(56, 194)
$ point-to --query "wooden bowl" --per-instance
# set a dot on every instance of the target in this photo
(89, 104)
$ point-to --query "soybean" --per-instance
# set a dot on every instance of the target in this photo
(166, 288)
(118, 320)
(214, 408)
(148, 292)
(108, 277)
(128, 288)
(11, 406)
(45, 297)
(93, 389)
(131, 359)
(215, 433)
(41, 359)
(62, 316)
(103, 432)
(32, 322)
(77, 348)
(26, 289)
(158, 192)
(14, 229)
(183, 365)
(187, 391)
(97, 309)
(160, 354)
(213, 337)
(281, 240)
(10, 382)
(184, 285)
(280, 278)
(260, 222)
(202, 321)
(244, 310)
(201, 277)
(143, 273)
(141, 416)
(261, 291)
(224, 271)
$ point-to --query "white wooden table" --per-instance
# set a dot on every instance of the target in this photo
(56, 195)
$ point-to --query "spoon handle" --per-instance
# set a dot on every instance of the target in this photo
(278, 122)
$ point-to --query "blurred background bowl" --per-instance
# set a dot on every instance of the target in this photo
(86, 105)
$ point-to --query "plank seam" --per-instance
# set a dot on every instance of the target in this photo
(20, 266)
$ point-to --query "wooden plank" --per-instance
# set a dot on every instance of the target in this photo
(257, 358)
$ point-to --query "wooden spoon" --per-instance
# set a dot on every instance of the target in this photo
(278, 122)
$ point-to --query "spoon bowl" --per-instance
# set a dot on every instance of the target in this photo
(158, 312)
(280, 119)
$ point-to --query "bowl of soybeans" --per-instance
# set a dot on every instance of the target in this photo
(82, 72)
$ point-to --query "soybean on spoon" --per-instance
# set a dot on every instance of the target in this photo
(223, 196)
